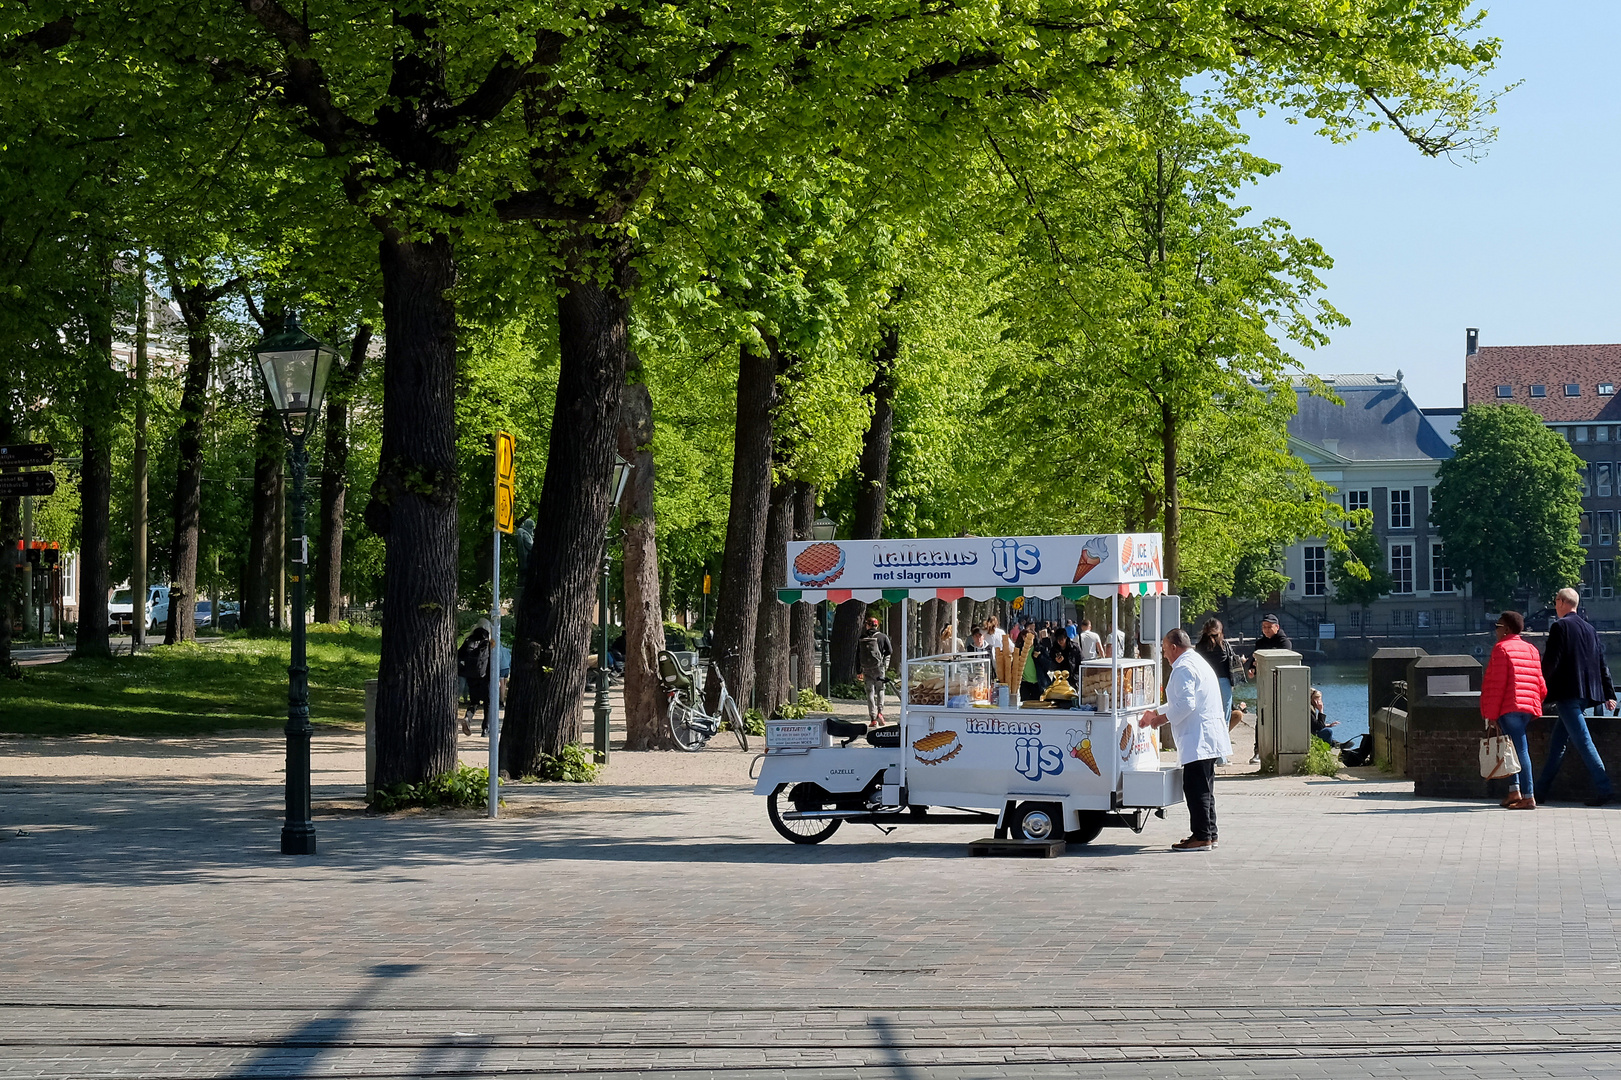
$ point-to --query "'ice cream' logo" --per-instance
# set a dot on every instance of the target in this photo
(1010, 558)
(1033, 758)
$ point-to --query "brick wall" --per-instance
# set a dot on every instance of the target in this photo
(1443, 753)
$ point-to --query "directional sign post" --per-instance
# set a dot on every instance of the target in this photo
(505, 492)
(26, 455)
(13, 485)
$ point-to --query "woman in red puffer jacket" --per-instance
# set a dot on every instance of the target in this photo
(1511, 693)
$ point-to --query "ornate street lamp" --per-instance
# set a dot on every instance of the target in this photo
(824, 528)
(295, 367)
(603, 709)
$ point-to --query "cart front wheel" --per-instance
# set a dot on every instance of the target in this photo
(1091, 825)
(1038, 821)
(801, 798)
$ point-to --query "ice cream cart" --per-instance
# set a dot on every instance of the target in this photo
(966, 749)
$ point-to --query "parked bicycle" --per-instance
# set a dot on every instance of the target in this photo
(690, 723)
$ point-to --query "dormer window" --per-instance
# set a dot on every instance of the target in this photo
(1605, 389)
(1573, 389)
(1505, 391)
(1538, 390)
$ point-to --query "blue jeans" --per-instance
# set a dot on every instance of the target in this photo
(1226, 696)
(1572, 729)
(1514, 725)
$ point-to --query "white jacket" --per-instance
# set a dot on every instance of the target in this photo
(1193, 706)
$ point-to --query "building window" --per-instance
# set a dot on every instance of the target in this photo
(1581, 434)
(1589, 572)
(1316, 571)
(1401, 508)
(1401, 618)
(1573, 389)
(1538, 390)
(1447, 615)
(1356, 619)
(1505, 391)
(1606, 578)
(1602, 433)
(1603, 471)
(1440, 573)
(1581, 474)
(1401, 568)
(1605, 389)
(1587, 530)
(1423, 619)
(1606, 528)
(1358, 500)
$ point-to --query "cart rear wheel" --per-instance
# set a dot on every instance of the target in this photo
(1091, 825)
(801, 797)
(1037, 821)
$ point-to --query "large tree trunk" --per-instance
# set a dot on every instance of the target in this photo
(1173, 501)
(335, 480)
(646, 723)
(571, 524)
(802, 616)
(736, 612)
(97, 416)
(771, 621)
(872, 491)
(258, 573)
(188, 486)
(413, 507)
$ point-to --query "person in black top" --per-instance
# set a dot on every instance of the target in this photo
(1056, 654)
(1215, 651)
(1272, 637)
(1578, 679)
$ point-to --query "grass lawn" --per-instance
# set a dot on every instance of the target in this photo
(191, 689)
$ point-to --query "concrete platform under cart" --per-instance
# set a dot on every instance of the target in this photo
(1028, 849)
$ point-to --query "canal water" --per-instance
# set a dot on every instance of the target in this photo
(1345, 696)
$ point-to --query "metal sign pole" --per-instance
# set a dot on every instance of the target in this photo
(493, 708)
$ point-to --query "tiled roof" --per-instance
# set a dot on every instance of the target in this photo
(1550, 366)
(1378, 422)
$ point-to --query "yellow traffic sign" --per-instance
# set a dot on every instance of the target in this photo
(706, 584)
(505, 490)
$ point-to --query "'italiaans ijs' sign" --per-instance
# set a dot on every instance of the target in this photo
(975, 562)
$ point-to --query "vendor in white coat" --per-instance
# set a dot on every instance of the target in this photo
(1193, 709)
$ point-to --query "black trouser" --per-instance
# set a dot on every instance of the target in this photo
(1199, 787)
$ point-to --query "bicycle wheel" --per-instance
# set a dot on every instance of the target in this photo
(683, 711)
(801, 797)
(728, 709)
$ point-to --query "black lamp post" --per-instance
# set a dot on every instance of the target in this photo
(824, 528)
(295, 367)
(603, 709)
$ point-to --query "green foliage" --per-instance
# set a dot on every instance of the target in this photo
(808, 701)
(753, 722)
(1359, 573)
(1320, 760)
(465, 787)
(1508, 505)
(576, 765)
(678, 638)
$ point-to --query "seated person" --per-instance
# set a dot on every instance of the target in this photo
(1321, 726)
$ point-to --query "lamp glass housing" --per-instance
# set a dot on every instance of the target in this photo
(823, 528)
(295, 367)
(621, 475)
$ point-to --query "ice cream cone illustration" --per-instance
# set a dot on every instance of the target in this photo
(1080, 747)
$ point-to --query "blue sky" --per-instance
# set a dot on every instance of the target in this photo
(1525, 243)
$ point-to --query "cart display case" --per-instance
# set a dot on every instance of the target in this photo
(952, 680)
(1126, 684)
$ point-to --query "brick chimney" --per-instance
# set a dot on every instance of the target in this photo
(1471, 341)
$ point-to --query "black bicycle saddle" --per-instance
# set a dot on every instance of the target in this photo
(848, 730)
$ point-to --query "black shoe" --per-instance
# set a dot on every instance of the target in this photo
(1600, 800)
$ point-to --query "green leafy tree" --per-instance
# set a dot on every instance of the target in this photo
(1508, 505)
(1359, 573)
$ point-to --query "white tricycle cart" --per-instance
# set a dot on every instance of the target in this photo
(966, 749)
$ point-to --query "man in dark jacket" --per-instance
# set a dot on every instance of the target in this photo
(1574, 669)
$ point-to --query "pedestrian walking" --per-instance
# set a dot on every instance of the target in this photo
(1219, 655)
(1511, 694)
(1574, 669)
(1087, 641)
(995, 637)
(1193, 709)
(873, 651)
(473, 665)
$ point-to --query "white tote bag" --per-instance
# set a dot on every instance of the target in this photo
(1498, 757)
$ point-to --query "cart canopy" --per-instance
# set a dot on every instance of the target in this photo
(976, 567)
